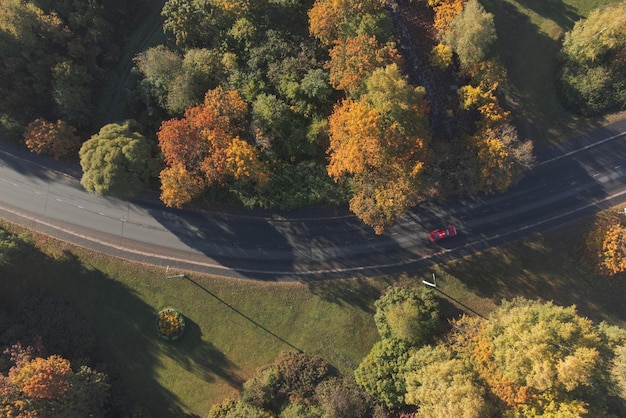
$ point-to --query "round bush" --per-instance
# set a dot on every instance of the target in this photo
(170, 324)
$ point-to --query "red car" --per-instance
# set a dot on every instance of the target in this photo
(439, 234)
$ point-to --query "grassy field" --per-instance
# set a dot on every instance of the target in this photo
(235, 326)
(530, 33)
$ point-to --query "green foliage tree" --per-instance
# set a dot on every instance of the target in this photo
(159, 66)
(471, 33)
(593, 76)
(407, 313)
(381, 372)
(11, 246)
(117, 161)
(237, 409)
(618, 370)
(72, 92)
(201, 70)
(194, 24)
(176, 83)
(56, 322)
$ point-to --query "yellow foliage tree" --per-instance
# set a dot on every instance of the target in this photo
(613, 253)
(355, 138)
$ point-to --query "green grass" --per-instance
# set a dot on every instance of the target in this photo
(232, 326)
(530, 33)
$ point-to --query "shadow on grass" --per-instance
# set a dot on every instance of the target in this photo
(258, 325)
(549, 268)
(563, 14)
(530, 55)
(359, 293)
(127, 342)
(201, 357)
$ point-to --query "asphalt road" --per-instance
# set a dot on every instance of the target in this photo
(585, 175)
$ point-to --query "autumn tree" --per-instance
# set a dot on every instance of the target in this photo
(57, 139)
(613, 253)
(471, 33)
(117, 161)
(380, 143)
(498, 158)
(331, 20)
(445, 12)
(342, 397)
(206, 147)
(604, 243)
(353, 59)
(37, 386)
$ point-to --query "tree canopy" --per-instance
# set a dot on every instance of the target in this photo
(117, 161)
(592, 78)
(382, 150)
(205, 147)
(471, 33)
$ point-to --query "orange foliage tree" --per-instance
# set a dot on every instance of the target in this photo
(42, 378)
(445, 12)
(48, 387)
(57, 139)
(383, 161)
(328, 18)
(355, 58)
(205, 147)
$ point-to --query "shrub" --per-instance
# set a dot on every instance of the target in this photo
(170, 324)
(407, 314)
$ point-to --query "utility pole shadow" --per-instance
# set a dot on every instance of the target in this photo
(242, 314)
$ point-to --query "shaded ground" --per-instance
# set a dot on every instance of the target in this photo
(413, 22)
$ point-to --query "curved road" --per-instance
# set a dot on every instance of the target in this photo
(585, 175)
